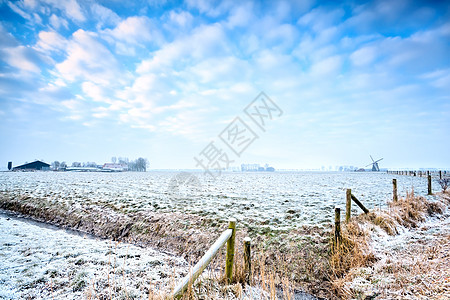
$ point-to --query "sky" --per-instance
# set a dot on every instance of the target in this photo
(180, 83)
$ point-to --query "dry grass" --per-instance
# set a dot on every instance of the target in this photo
(353, 251)
(414, 269)
(282, 261)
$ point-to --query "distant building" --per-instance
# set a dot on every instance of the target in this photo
(256, 168)
(33, 166)
(249, 167)
(115, 167)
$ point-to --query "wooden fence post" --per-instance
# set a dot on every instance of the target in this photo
(429, 185)
(337, 227)
(348, 205)
(247, 260)
(230, 251)
(394, 183)
(440, 174)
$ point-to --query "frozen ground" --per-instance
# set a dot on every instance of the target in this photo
(43, 262)
(184, 223)
(281, 200)
(40, 261)
(415, 264)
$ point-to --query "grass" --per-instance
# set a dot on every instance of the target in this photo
(282, 260)
(354, 254)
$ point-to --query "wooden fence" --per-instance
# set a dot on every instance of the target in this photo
(350, 197)
(229, 237)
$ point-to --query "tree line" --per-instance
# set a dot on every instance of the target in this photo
(139, 165)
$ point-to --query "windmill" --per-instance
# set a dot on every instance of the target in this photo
(375, 167)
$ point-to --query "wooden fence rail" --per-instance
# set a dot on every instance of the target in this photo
(435, 173)
(365, 210)
(228, 236)
(348, 205)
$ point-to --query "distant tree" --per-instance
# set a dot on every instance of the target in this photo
(141, 164)
(123, 160)
(63, 165)
(76, 164)
(132, 165)
(55, 165)
(113, 159)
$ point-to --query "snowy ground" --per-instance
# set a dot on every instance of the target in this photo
(62, 265)
(415, 264)
(273, 200)
(40, 261)
(43, 262)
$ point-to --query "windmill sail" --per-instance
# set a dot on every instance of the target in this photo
(375, 166)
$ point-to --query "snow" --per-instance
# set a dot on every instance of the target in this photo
(262, 199)
(44, 262)
(39, 262)
(415, 264)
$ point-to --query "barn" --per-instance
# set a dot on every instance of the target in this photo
(35, 165)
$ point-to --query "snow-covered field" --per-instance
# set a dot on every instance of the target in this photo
(282, 200)
(43, 262)
(37, 261)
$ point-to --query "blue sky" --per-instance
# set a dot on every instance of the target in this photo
(88, 80)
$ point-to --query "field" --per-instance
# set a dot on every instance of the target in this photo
(288, 215)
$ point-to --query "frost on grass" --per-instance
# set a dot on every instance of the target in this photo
(412, 253)
(46, 263)
(288, 216)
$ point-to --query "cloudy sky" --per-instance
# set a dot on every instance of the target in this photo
(85, 80)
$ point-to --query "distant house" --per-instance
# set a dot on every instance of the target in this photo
(35, 165)
(115, 167)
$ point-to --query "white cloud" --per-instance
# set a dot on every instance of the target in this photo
(191, 124)
(104, 16)
(32, 4)
(439, 78)
(205, 41)
(31, 11)
(89, 60)
(6, 38)
(282, 36)
(58, 22)
(314, 47)
(71, 9)
(94, 92)
(241, 15)
(211, 8)
(51, 41)
(23, 58)
(222, 70)
(32, 17)
(320, 19)
(182, 19)
(363, 56)
(135, 30)
(72, 104)
(326, 67)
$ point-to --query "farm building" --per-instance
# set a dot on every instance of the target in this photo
(115, 167)
(35, 165)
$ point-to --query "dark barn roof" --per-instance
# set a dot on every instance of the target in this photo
(35, 165)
